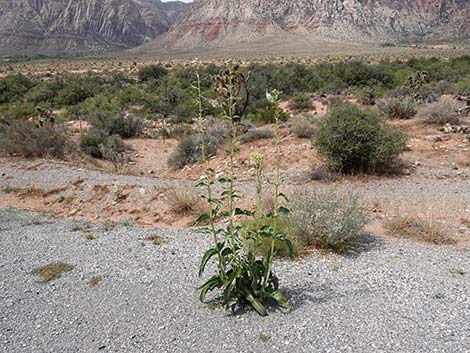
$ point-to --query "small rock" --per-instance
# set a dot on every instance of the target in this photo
(437, 138)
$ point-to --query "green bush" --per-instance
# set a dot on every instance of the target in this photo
(99, 144)
(266, 115)
(76, 89)
(28, 139)
(91, 141)
(399, 108)
(189, 148)
(300, 102)
(327, 219)
(152, 72)
(121, 124)
(43, 92)
(358, 140)
(14, 87)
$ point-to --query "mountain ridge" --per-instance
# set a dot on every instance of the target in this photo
(48, 26)
(223, 23)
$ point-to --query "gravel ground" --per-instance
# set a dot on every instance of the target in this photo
(390, 297)
(439, 188)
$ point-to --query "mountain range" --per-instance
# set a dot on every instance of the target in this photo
(81, 25)
(52, 26)
(222, 23)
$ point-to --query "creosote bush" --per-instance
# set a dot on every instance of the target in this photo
(152, 72)
(354, 140)
(442, 112)
(300, 102)
(399, 108)
(120, 123)
(327, 219)
(28, 139)
(189, 148)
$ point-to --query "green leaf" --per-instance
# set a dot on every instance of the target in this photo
(207, 256)
(202, 219)
(283, 196)
(257, 305)
(280, 299)
(211, 283)
(283, 210)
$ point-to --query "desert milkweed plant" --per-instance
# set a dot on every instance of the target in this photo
(243, 275)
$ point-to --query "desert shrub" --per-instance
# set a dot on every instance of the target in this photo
(441, 112)
(300, 101)
(184, 200)
(152, 72)
(399, 108)
(177, 131)
(256, 134)
(120, 123)
(76, 89)
(91, 141)
(189, 149)
(17, 110)
(44, 91)
(30, 140)
(13, 87)
(266, 115)
(328, 219)
(99, 144)
(301, 127)
(357, 140)
(366, 95)
(113, 149)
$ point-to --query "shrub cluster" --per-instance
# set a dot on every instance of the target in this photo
(31, 140)
(358, 140)
(189, 149)
(327, 219)
(442, 112)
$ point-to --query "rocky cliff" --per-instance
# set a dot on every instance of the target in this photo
(36, 26)
(224, 22)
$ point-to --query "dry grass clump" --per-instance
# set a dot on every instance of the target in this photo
(302, 127)
(52, 271)
(328, 219)
(184, 201)
(442, 112)
(426, 228)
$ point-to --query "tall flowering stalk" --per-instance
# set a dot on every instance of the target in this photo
(244, 274)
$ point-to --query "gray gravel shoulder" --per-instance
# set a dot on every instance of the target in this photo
(393, 297)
